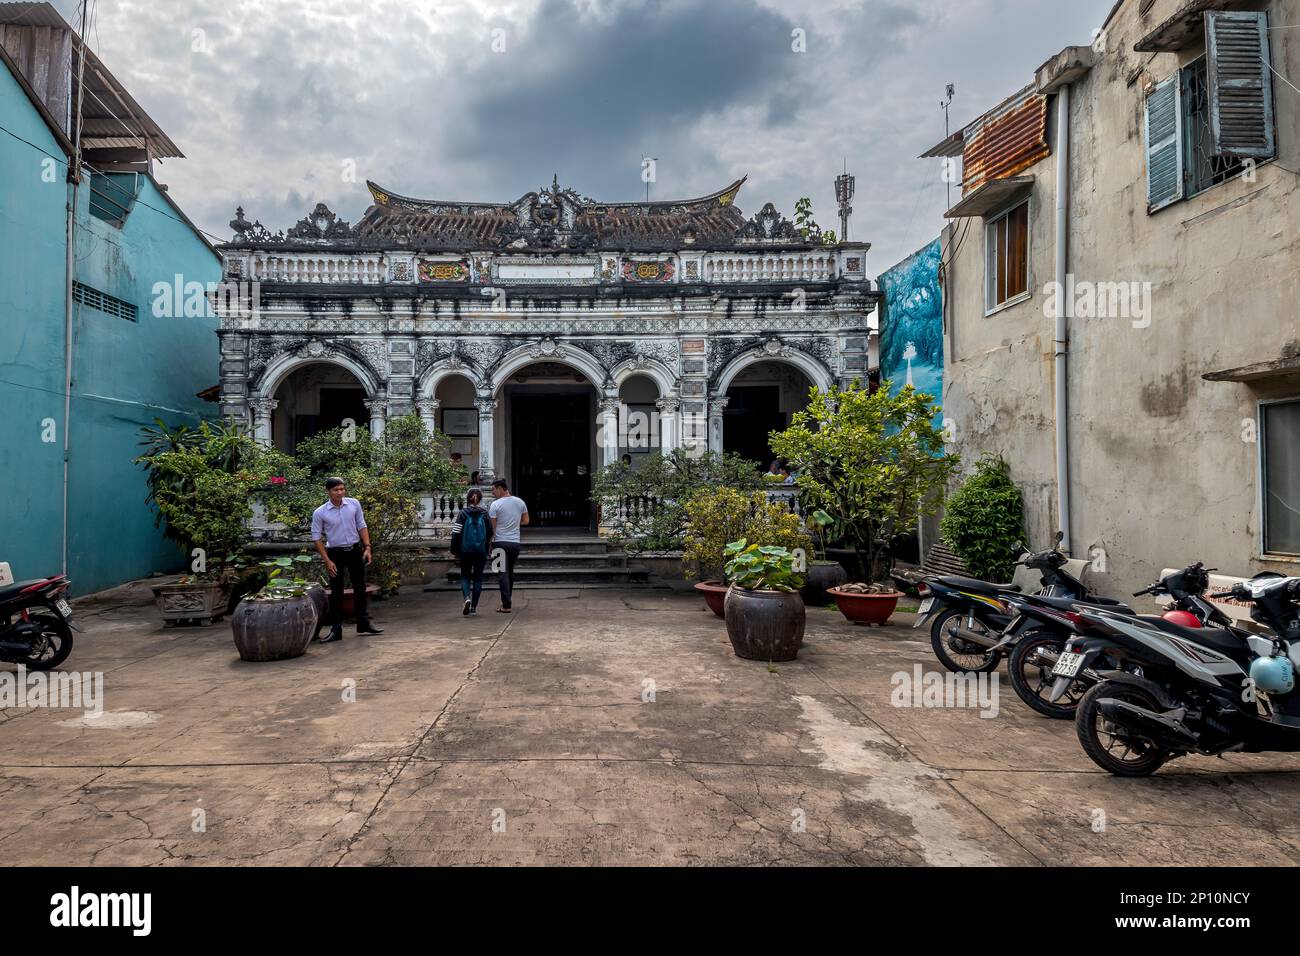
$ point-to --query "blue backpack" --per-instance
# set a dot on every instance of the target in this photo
(473, 536)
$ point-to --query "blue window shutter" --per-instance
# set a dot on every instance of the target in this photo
(1241, 87)
(1164, 126)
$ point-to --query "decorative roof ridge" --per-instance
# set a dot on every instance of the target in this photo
(725, 196)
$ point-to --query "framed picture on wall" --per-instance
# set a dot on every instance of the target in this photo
(460, 422)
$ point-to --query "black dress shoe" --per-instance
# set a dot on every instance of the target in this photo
(332, 637)
(369, 628)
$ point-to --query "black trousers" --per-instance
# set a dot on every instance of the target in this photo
(352, 561)
(506, 569)
(471, 576)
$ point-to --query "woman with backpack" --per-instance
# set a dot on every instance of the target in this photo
(471, 538)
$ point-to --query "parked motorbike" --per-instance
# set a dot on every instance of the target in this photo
(973, 626)
(1208, 690)
(36, 623)
(1038, 648)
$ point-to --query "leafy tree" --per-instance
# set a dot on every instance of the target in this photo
(387, 475)
(644, 507)
(870, 460)
(984, 518)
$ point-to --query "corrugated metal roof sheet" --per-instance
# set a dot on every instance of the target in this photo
(1007, 141)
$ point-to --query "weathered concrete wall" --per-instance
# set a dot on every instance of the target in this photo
(1159, 472)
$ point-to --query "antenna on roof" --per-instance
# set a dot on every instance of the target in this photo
(951, 91)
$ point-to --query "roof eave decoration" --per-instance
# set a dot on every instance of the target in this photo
(721, 199)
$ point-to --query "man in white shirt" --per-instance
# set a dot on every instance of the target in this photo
(507, 514)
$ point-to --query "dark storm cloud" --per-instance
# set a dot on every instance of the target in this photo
(292, 102)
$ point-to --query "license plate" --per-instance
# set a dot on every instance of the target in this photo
(1068, 665)
(925, 606)
(64, 607)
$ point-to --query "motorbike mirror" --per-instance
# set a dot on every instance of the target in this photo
(1017, 547)
(1060, 536)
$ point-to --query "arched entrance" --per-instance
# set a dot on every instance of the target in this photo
(639, 426)
(550, 453)
(314, 398)
(761, 398)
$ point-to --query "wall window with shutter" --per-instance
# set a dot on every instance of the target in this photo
(1006, 254)
(1279, 443)
(1209, 120)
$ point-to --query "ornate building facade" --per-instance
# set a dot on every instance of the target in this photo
(547, 336)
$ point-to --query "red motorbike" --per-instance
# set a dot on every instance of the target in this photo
(36, 623)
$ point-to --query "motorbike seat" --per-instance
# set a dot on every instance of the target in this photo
(11, 591)
(1215, 638)
(1068, 603)
(974, 584)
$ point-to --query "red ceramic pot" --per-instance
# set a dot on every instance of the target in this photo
(865, 608)
(715, 593)
(349, 604)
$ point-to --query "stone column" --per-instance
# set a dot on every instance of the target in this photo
(486, 440)
(263, 410)
(716, 407)
(378, 408)
(669, 434)
(608, 430)
(428, 408)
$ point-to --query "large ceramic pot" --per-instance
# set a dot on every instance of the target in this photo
(714, 593)
(822, 576)
(274, 630)
(204, 602)
(866, 608)
(765, 625)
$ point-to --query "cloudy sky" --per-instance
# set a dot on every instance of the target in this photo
(279, 104)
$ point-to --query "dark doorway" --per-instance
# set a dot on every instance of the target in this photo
(753, 412)
(550, 454)
(336, 406)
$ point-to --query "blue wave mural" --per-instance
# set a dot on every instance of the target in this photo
(911, 324)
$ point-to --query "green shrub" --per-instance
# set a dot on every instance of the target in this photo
(984, 518)
(718, 516)
(758, 567)
(657, 491)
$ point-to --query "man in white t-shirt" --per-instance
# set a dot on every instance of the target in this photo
(507, 514)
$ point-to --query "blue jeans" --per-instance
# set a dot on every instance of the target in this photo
(471, 571)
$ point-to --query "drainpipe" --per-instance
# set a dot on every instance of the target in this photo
(1062, 336)
(74, 179)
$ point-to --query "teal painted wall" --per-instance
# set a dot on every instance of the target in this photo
(32, 252)
(125, 373)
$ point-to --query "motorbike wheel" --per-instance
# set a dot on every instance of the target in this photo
(957, 655)
(1031, 675)
(53, 646)
(1122, 753)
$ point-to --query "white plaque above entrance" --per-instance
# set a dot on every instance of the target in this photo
(546, 271)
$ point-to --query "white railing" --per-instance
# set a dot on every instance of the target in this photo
(769, 267)
(787, 496)
(308, 266)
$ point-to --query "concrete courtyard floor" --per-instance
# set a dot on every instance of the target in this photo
(531, 739)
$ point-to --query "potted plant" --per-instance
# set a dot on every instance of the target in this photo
(278, 621)
(764, 612)
(717, 516)
(874, 461)
(866, 603)
(823, 574)
(200, 482)
(714, 516)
